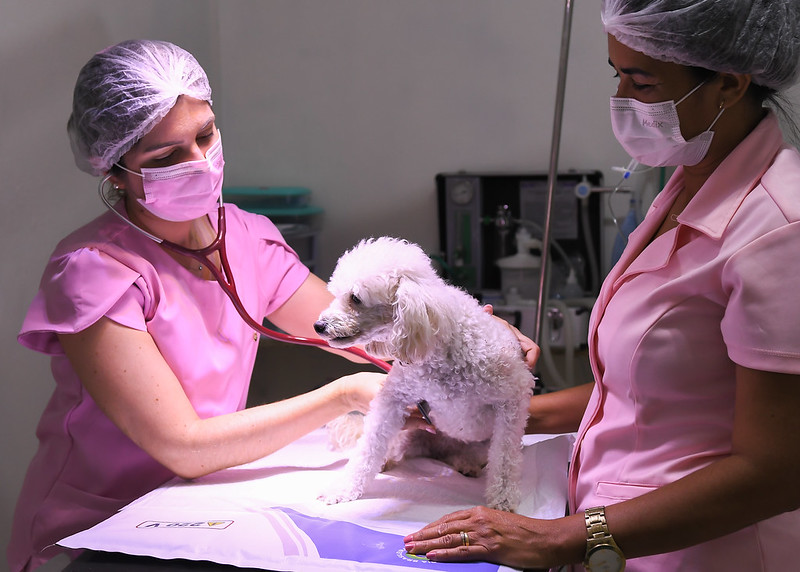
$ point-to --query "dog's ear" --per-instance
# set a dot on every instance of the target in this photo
(380, 349)
(416, 322)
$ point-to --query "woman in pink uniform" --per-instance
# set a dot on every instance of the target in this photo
(151, 361)
(685, 458)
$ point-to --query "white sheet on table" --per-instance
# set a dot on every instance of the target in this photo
(235, 516)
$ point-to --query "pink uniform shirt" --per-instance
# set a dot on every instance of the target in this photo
(673, 319)
(86, 468)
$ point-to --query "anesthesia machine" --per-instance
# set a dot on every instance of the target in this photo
(491, 230)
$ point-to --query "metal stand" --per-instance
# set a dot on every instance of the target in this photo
(553, 170)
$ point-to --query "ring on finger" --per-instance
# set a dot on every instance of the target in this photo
(464, 538)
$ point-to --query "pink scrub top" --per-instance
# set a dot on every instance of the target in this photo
(672, 320)
(85, 468)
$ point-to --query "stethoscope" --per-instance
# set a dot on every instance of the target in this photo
(224, 278)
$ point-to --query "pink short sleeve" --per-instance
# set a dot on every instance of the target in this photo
(760, 326)
(77, 289)
(285, 272)
(131, 280)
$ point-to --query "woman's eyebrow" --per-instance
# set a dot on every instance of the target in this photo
(631, 71)
(162, 144)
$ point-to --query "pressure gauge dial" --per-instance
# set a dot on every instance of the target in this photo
(462, 192)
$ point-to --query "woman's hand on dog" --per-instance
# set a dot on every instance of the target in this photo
(416, 420)
(358, 389)
(529, 349)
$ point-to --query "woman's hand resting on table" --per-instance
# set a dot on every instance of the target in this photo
(491, 536)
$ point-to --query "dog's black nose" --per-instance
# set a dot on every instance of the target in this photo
(319, 327)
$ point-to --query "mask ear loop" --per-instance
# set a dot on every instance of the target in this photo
(721, 104)
(721, 111)
(128, 170)
(698, 86)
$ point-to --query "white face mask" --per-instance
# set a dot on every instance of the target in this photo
(651, 132)
(184, 191)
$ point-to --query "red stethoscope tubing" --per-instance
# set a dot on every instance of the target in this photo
(224, 278)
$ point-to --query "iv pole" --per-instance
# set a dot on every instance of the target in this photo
(553, 171)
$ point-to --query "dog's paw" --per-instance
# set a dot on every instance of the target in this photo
(338, 495)
(505, 499)
(506, 505)
(466, 467)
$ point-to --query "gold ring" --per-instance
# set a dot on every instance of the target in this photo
(464, 538)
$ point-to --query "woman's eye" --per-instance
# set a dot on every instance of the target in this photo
(355, 300)
(164, 158)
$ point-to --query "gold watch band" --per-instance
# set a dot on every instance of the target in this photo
(602, 552)
(596, 525)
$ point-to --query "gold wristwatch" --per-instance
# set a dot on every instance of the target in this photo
(602, 553)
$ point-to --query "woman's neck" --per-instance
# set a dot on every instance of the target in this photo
(742, 119)
(194, 235)
(180, 233)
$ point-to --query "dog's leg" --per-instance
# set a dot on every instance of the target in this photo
(504, 468)
(383, 422)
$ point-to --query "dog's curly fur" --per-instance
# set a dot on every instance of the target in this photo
(446, 349)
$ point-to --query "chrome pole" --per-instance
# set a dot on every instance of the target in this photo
(552, 176)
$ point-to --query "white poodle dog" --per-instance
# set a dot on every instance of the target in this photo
(466, 365)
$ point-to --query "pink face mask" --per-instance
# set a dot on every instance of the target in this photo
(651, 132)
(185, 191)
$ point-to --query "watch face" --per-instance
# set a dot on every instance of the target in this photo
(605, 559)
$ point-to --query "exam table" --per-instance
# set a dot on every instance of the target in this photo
(265, 515)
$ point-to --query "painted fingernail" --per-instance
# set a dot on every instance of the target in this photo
(432, 555)
(409, 546)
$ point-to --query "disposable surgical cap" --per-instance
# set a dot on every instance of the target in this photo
(756, 37)
(123, 92)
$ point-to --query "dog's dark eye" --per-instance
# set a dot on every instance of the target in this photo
(355, 300)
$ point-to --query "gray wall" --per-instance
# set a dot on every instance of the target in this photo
(362, 101)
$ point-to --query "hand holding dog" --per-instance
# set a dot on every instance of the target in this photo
(359, 389)
(529, 348)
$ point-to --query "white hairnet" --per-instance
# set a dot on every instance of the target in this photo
(123, 92)
(756, 37)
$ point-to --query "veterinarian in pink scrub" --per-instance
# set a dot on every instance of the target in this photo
(685, 457)
(151, 361)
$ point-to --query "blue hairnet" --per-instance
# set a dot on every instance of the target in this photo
(122, 93)
(756, 37)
